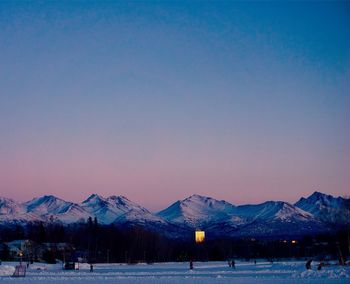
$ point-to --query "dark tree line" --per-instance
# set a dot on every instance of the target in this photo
(101, 243)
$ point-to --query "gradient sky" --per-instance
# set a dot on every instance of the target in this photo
(160, 100)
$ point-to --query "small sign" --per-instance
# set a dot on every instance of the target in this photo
(20, 271)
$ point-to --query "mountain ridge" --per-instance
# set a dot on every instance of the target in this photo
(317, 213)
(327, 208)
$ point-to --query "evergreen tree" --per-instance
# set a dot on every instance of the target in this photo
(42, 233)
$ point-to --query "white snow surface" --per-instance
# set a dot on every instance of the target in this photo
(11, 211)
(6, 270)
(273, 210)
(203, 272)
(326, 207)
(105, 210)
(52, 208)
(117, 209)
(198, 211)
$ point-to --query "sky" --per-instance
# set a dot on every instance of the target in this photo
(156, 101)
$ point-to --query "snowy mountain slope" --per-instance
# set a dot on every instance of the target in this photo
(124, 213)
(111, 209)
(273, 210)
(151, 222)
(13, 212)
(102, 209)
(199, 211)
(10, 207)
(276, 218)
(139, 216)
(51, 208)
(335, 210)
(131, 209)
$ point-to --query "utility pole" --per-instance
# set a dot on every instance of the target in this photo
(64, 257)
(21, 255)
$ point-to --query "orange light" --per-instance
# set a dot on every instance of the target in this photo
(199, 236)
(294, 242)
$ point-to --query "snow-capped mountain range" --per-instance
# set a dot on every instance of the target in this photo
(51, 208)
(271, 218)
(317, 213)
(13, 212)
(327, 208)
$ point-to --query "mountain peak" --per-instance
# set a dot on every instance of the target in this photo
(109, 209)
(50, 196)
(50, 207)
(92, 197)
(6, 200)
(9, 206)
(46, 198)
(13, 212)
(318, 195)
(37, 201)
(320, 199)
(118, 198)
(202, 199)
(326, 207)
(198, 197)
(197, 210)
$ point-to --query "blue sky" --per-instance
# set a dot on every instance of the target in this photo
(159, 100)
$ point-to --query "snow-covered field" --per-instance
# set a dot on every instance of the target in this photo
(203, 273)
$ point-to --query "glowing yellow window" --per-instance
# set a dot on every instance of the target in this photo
(200, 236)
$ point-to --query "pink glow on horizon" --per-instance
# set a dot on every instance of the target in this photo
(155, 184)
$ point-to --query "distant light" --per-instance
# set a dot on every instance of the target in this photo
(199, 236)
(294, 242)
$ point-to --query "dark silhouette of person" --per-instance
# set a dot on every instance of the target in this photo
(308, 264)
(91, 268)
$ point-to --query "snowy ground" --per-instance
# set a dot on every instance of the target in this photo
(173, 273)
